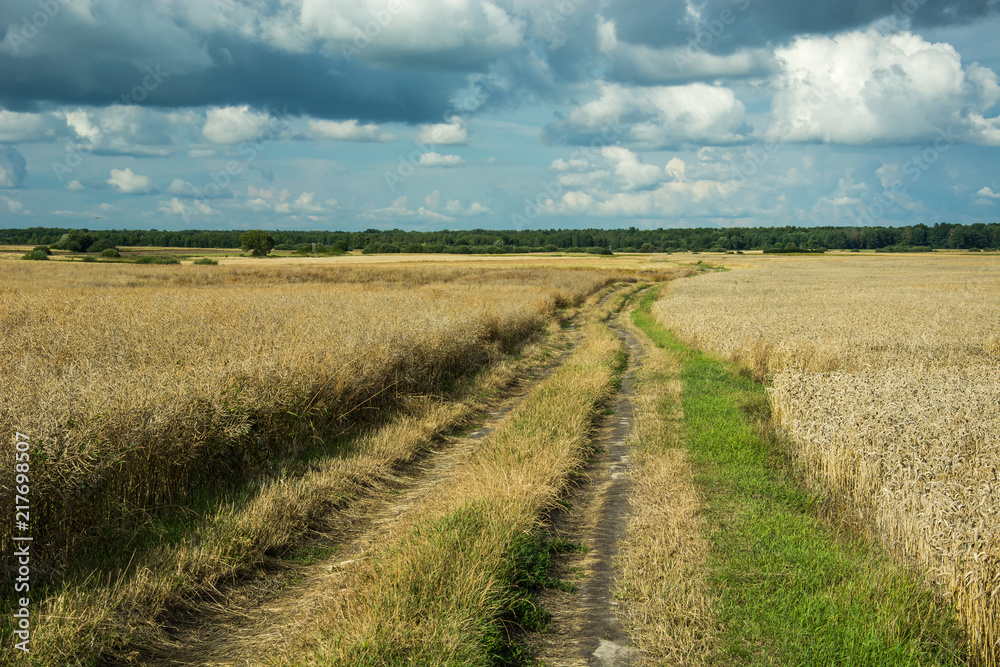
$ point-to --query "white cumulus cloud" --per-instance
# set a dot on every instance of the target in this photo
(16, 127)
(181, 187)
(453, 132)
(399, 209)
(186, 209)
(454, 207)
(284, 202)
(866, 87)
(449, 34)
(655, 116)
(632, 173)
(986, 195)
(848, 192)
(13, 205)
(129, 129)
(348, 130)
(620, 184)
(432, 159)
(304, 203)
(129, 182)
(232, 125)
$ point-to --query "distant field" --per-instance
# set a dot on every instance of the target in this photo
(884, 372)
(281, 257)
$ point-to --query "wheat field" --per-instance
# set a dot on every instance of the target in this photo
(884, 374)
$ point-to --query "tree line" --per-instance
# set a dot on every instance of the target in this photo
(942, 235)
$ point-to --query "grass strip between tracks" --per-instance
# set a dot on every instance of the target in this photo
(457, 581)
(663, 559)
(788, 588)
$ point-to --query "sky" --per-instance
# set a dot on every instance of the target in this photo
(497, 114)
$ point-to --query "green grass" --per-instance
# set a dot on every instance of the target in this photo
(791, 588)
(706, 267)
(156, 259)
(311, 554)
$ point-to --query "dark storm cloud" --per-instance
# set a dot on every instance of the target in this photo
(573, 53)
(761, 23)
(280, 56)
(323, 87)
(109, 57)
(287, 57)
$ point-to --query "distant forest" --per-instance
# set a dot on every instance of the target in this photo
(913, 238)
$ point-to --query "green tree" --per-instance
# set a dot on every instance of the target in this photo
(257, 241)
(36, 255)
(100, 245)
(78, 240)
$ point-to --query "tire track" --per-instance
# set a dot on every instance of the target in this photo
(264, 614)
(585, 627)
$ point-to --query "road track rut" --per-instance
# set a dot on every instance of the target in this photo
(585, 627)
(261, 615)
(256, 619)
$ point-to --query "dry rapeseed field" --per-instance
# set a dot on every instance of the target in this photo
(138, 384)
(884, 372)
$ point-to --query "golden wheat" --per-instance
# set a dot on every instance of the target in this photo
(138, 384)
(885, 375)
(238, 533)
(842, 312)
(915, 453)
(663, 560)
